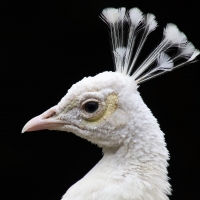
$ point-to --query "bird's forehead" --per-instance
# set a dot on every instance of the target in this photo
(105, 80)
(114, 81)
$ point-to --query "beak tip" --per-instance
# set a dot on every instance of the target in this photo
(24, 129)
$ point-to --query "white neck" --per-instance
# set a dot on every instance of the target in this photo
(136, 170)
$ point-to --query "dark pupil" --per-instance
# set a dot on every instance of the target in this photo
(91, 106)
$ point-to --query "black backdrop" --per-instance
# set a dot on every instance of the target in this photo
(45, 47)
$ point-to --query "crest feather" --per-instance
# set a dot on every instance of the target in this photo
(137, 22)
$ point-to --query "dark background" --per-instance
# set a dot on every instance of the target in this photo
(45, 47)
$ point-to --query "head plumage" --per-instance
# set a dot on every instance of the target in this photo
(126, 52)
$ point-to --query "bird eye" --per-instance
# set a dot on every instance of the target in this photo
(91, 106)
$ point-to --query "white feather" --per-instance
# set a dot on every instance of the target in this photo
(115, 18)
(164, 63)
(189, 53)
(194, 55)
(173, 35)
(136, 17)
(122, 13)
(151, 22)
(110, 15)
(119, 54)
(150, 25)
(185, 51)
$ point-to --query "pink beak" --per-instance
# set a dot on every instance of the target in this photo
(43, 121)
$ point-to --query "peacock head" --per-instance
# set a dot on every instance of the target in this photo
(95, 108)
(98, 108)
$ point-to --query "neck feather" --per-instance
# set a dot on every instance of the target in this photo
(142, 157)
(134, 170)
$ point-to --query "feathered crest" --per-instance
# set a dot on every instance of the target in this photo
(118, 19)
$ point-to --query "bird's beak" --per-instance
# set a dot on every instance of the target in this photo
(43, 121)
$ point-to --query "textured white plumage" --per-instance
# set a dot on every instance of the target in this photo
(134, 165)
(135, 156)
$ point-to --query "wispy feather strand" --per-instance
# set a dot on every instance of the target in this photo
(123, 51)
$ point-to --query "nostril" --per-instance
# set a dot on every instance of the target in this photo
(51, 115)
(48, 114)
